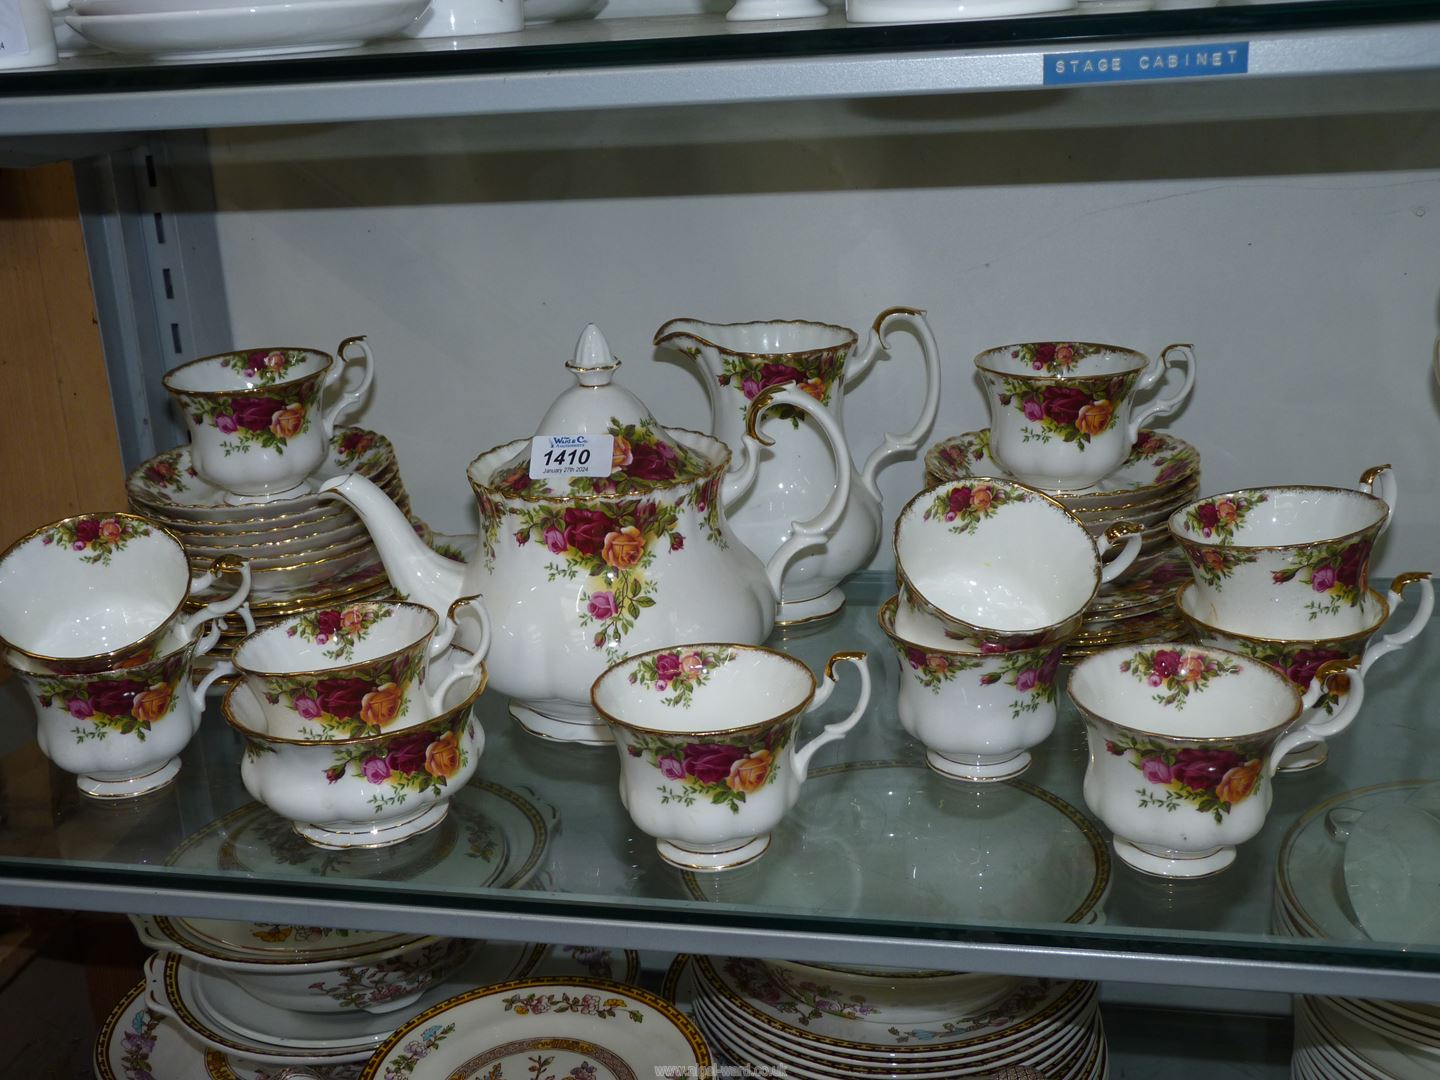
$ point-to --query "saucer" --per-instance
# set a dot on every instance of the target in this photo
(1157, 463)
(1392, 871)
(1010, 852)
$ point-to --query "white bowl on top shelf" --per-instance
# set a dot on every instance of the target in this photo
(197, 32)
(901, 11)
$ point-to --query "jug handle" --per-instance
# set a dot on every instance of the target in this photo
(1316, 729)
(1388, 643)
(1165, 406)
(894, 444)
(1379, 480)
(348, 400)
(812, 533)
(822, 694)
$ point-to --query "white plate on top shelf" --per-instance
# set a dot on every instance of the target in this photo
(220, 33)
(905, 11)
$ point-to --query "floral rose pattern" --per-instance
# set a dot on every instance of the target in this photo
(1074, 411)
(1221, 517)
(358, 450)
(126, 704)
(1053, 357)
(418, 1047)
(1299, 665)
(1213, 565)
(1031, 674)
(269, 420)
(964, 506)
(1338, 574)
(533, 1004)
(1212, 780)
(813, 372)
(1175, 674)
(803, 1000)
(722, 773)
(935, 669)
(348, 702)
(265, 367)
(97, 537)
(163, 472)
(679, 672)
(339, 629)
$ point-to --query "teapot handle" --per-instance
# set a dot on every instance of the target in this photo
(812, 533)
(894, 444)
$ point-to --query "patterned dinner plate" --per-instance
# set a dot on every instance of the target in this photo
(585, 1028)
(1157, 462)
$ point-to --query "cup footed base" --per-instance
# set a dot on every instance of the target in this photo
(978, 768)
(593, 732)
(129, 787)
(340, 838)
(1304, 759)
(794, 613)
(234, 498)
(747, 10)
(1158, 862)
(711, 858)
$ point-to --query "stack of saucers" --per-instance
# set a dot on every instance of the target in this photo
(835, 1023)
(1161, 475)
(305, 553)
(1344, 1038)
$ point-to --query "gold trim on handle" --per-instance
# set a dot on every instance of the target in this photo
(460, 602)
(1334, 675)
(840, 658)
(1123, 529)
(762, 402)
(1405, 580)
(353, 339)
(1370, 475)
(875, 326)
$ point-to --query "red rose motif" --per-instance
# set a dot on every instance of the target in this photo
(356, 442)
(113, 697)
(710, 762)
(777, 374)
(1304, 664)
(1166, 663)
(1045, 353)
(1050, 666)
(342, 697)
(667, 666)
(87, 530)
(916, 657)
(254, 414)
(327, 622)
(1207, 515)
(408, 754)
(1202, 770)
(959, 499)
(1062, 404)
(1354, 561)
(653, 461)
(586, 529)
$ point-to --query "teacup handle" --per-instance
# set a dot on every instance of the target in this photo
(1317, 728)
(1385, 645)
(1130, 533)
(225, 564)
(812, 533)
(468, 668)
(894, 444)
(822, 694)
(346, 401)
(1379, 480)
(1164, 406)
(221, 669)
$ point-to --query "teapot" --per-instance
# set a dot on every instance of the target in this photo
(579, 571)
(741, 360)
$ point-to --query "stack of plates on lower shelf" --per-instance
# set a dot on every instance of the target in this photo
(839, 1023)
(1160, 476)
(214, 29)
(1349, 1038)
(189, 1021)
(305, 553)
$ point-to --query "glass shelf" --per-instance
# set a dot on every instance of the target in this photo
(690, 59)
(878, 865)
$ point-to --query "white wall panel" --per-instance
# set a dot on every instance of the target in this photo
(1301, 256)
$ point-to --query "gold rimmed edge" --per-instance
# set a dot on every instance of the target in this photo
(418, 643)
(343, 550)
(1144, 358)
(101, 1055)
(246, 391)
(238, 960)
(757, 725)
(1206, 545)
(662, 337)
(1240, 635)
(683, 1024)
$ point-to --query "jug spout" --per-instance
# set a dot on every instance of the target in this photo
(692, 337)
(420, 574)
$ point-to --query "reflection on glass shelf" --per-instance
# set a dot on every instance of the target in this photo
(878, 849)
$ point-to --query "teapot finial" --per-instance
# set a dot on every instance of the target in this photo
(594, 364)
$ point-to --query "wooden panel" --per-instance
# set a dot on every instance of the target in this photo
(58, 440)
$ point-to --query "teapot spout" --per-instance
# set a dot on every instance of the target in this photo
(420, 574)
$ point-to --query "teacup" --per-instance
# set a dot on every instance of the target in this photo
(706, 737)
(1285, 562)
(1299, 659)
(357, 669)
(95, 592)
(1000, 564)
(369, 791)
(1061, 411)
(121, 731)
(1184, 741)
(977, 713)
(256, 426)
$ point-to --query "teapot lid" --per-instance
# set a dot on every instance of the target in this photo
(643, 456)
